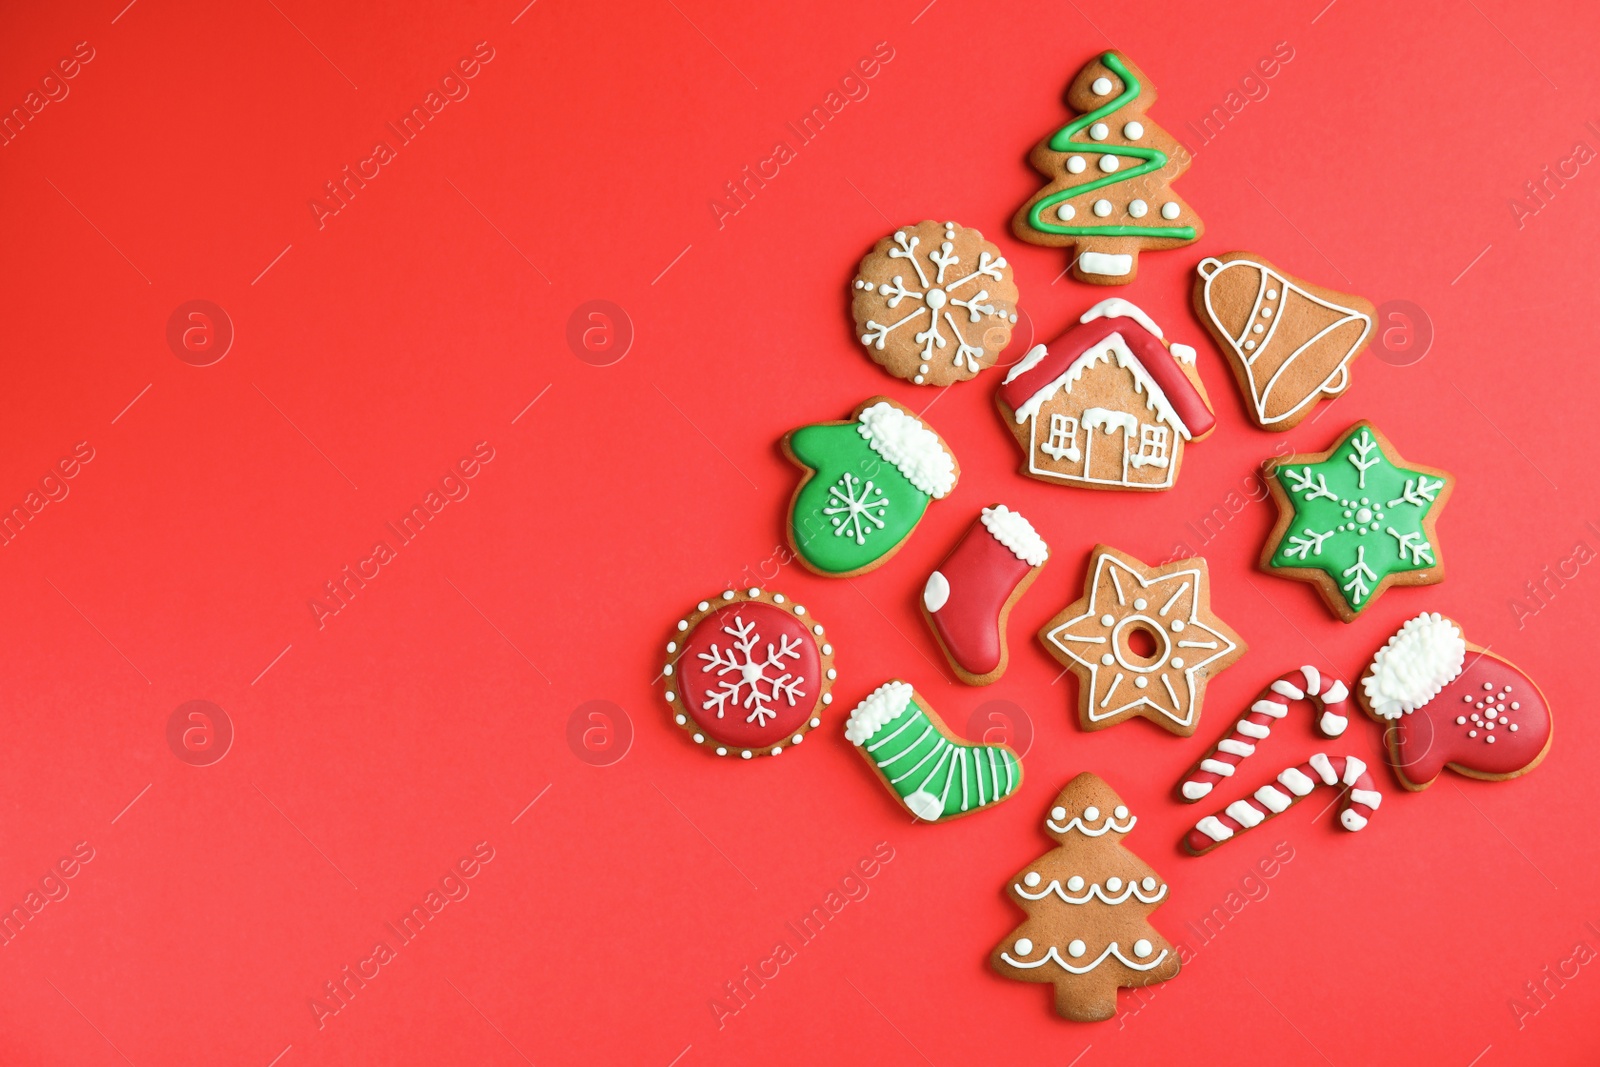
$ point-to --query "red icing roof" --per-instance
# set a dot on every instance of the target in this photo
(1147, 348)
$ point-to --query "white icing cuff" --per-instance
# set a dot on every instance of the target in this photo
(1235, 748)
(935, 592)
(1270, 707)
(1323, 766)
(1118, 308)
(1367, 797)
(1217, 767)
(1313, 678)
(1252, 729)
(1241, 812)
(1295, 781)
(1353, 769)
(905, 441)
(1417, 662)
(1212, 827)
(1195, 790)
(1016, 533)
(1352, 820)
(1113, 266)
(881, 707)
(1271, 799)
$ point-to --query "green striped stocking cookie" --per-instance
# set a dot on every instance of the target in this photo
(935, 775)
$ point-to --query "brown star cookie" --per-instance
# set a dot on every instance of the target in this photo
(1143, 641)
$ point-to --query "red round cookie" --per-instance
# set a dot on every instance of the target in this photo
(749, 673)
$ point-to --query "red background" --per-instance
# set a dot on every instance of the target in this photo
(374, 352)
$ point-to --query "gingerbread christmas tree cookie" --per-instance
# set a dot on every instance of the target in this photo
(1110, 170)
(1088, 901)
(867, 482)
(934, 303)
(1355, 520)
(1143, 641)
(1290, 342)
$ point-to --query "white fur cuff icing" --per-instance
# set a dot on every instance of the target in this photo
(1420, 660)
(914, 449)
(1017, 534)
(881, 707)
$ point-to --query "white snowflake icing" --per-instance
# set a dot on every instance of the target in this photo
(937, 300)
(856, 508)
(751, 674)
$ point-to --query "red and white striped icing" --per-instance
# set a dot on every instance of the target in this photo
(1293, 785)
(1332, 699)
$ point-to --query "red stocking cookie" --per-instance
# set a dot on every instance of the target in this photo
(1330, 697)
(1296, 784)
(1448, 703)
(968, 599)
(749, 673)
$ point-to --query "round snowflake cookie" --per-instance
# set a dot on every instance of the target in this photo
(748, 673)
(934, 303)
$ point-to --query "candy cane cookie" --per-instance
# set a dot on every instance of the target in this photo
(1357, 807)
(1331, 699)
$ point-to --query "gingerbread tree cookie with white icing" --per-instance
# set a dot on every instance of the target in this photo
(1110, 171)
(1088, 902)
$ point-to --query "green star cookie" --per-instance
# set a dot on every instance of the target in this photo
(1355, 520)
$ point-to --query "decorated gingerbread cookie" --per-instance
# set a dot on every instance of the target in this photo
(1448, 703)
(932, 771)
(1088, 901)
(1109, 404)
(968, 599)
(934, 303)
(867, 482)
(1329, 697)
(748, 673)
(1110, 171)
(1290, 343)
(1358, 799)
(1355, 520)
(1143, 641)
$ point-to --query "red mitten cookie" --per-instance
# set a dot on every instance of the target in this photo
(1451, 704)
(967, 600)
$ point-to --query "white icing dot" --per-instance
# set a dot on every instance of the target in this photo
(727, 594)
(1121, 811)
(1140, 604)
(1467, 698)
(1504, 720)
(1107, 620)
(816, 722)
(683, 720)
(1058, 813)
(1490, 739)
(827, 698)
(1091, 813)
(777, 750)
(797, 738)
(1141, 681)
(1099, 131)
(746, 753)
(1472, 733)
(1515, 705)
(1108, 163)
(1138, 208)
(703, 605)
(817, 629)
(1023, 946)
(1513, 727)
(1489, 686)
(1177, 661)
(1248, 345)
(1031, 878)
(1461, 720)
(672, 646)
(671, 696)
(667, 670)
(699, 738)
(1258, 328)
(1272, 294)
(1065, 212)
(777, 598)
(1075, 164)
(1102, 208)
(1101, 86)
(1076, 948)
(1149, 884)
(1113, 884)
(683, 624)
(1266, 313)
(827, 650)
(1177, 626)
(1169, 210)
(798, 610)
(1142, 948)
(721, 751)
(1075, 883)
(754, 591)
(1107, 660)
(1133, 131)
(832, 674)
